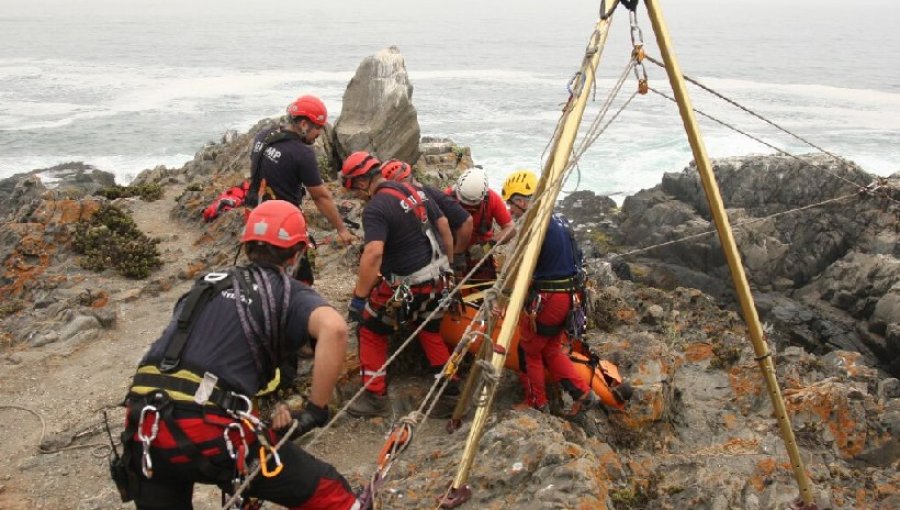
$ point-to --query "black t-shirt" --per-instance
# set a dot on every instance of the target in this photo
(454, 212)
(406, 247)
(286, 165)
(216, 341)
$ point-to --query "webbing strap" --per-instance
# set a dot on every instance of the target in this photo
(221, 397)
(416, 203)
(484, 226)
(563, 285)
(191, 449)
(195, 301)
(410, 197)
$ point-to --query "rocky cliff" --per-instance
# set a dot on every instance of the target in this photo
(698, 433)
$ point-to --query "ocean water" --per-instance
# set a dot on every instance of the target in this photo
(130, 85)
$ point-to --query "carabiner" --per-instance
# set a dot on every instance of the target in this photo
(264, 465)
(154, 429)
(246, 400)
(146, 461)
(229, 444)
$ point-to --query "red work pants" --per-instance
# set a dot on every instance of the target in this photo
(539, 351)
(374, 333)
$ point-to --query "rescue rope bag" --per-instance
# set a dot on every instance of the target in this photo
(229, 199)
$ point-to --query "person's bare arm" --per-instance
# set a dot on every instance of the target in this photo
(463, 236)
(443, 228)
(330, 331)
(325, 203)
(507, 232)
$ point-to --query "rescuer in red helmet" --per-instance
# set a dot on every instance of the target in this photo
(190, 417)
(284, 167)
(402, 274)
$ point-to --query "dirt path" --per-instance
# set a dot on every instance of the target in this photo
(69, 384)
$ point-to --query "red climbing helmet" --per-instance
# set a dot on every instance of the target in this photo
(358, 164)
(396, 170)
(310, 107)
(276, 222)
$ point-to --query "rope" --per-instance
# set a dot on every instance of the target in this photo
(442, 305)
(767, 121)
(767, 144)
(747, 110)
(47, 451)
(736, 225)
(253, 474)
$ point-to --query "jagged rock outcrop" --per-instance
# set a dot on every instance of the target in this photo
(66, 180)
(442, 161)
(822, 272)
(41, 209)
(699, 431)
(377, 113)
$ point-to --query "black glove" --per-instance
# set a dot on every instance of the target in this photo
(310, 417)
(355, 309)
(459, 263)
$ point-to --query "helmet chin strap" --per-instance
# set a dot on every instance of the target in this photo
(303, 130)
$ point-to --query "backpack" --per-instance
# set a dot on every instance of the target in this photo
(580, 309)
(256, 180)
(227, 200)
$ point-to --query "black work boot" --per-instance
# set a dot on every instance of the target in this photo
(589, 401)
(369, 404)
(623, 392)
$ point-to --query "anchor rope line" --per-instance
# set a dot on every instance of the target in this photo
(721, 96)
(748, 110)
(735, 226)
(859, 187)
(99, 449)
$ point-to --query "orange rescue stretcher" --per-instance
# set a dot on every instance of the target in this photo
(601, 375)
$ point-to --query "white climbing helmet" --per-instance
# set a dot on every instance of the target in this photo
(471, 187)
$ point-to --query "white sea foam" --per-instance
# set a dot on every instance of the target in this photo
(124, 168)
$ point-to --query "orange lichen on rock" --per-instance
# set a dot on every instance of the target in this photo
(627, 315)
(828, 402)
(747, 385)
(698, 352)
(34, 244)
(764, 469)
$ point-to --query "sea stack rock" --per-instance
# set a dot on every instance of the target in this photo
(377, 114)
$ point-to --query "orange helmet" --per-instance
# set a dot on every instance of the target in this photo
(396, 170)
(276, 222)
(358, 164)
(309, 107)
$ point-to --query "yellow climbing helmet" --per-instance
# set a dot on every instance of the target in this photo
(521, 182)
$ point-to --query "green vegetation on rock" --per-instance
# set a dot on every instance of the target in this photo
(147, 192)
(11, 306)
(110, 239)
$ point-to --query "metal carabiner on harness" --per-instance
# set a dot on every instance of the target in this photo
(242, 414)
(229, 444)
(146, 461)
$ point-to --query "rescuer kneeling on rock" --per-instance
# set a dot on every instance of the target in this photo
(190, 416)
